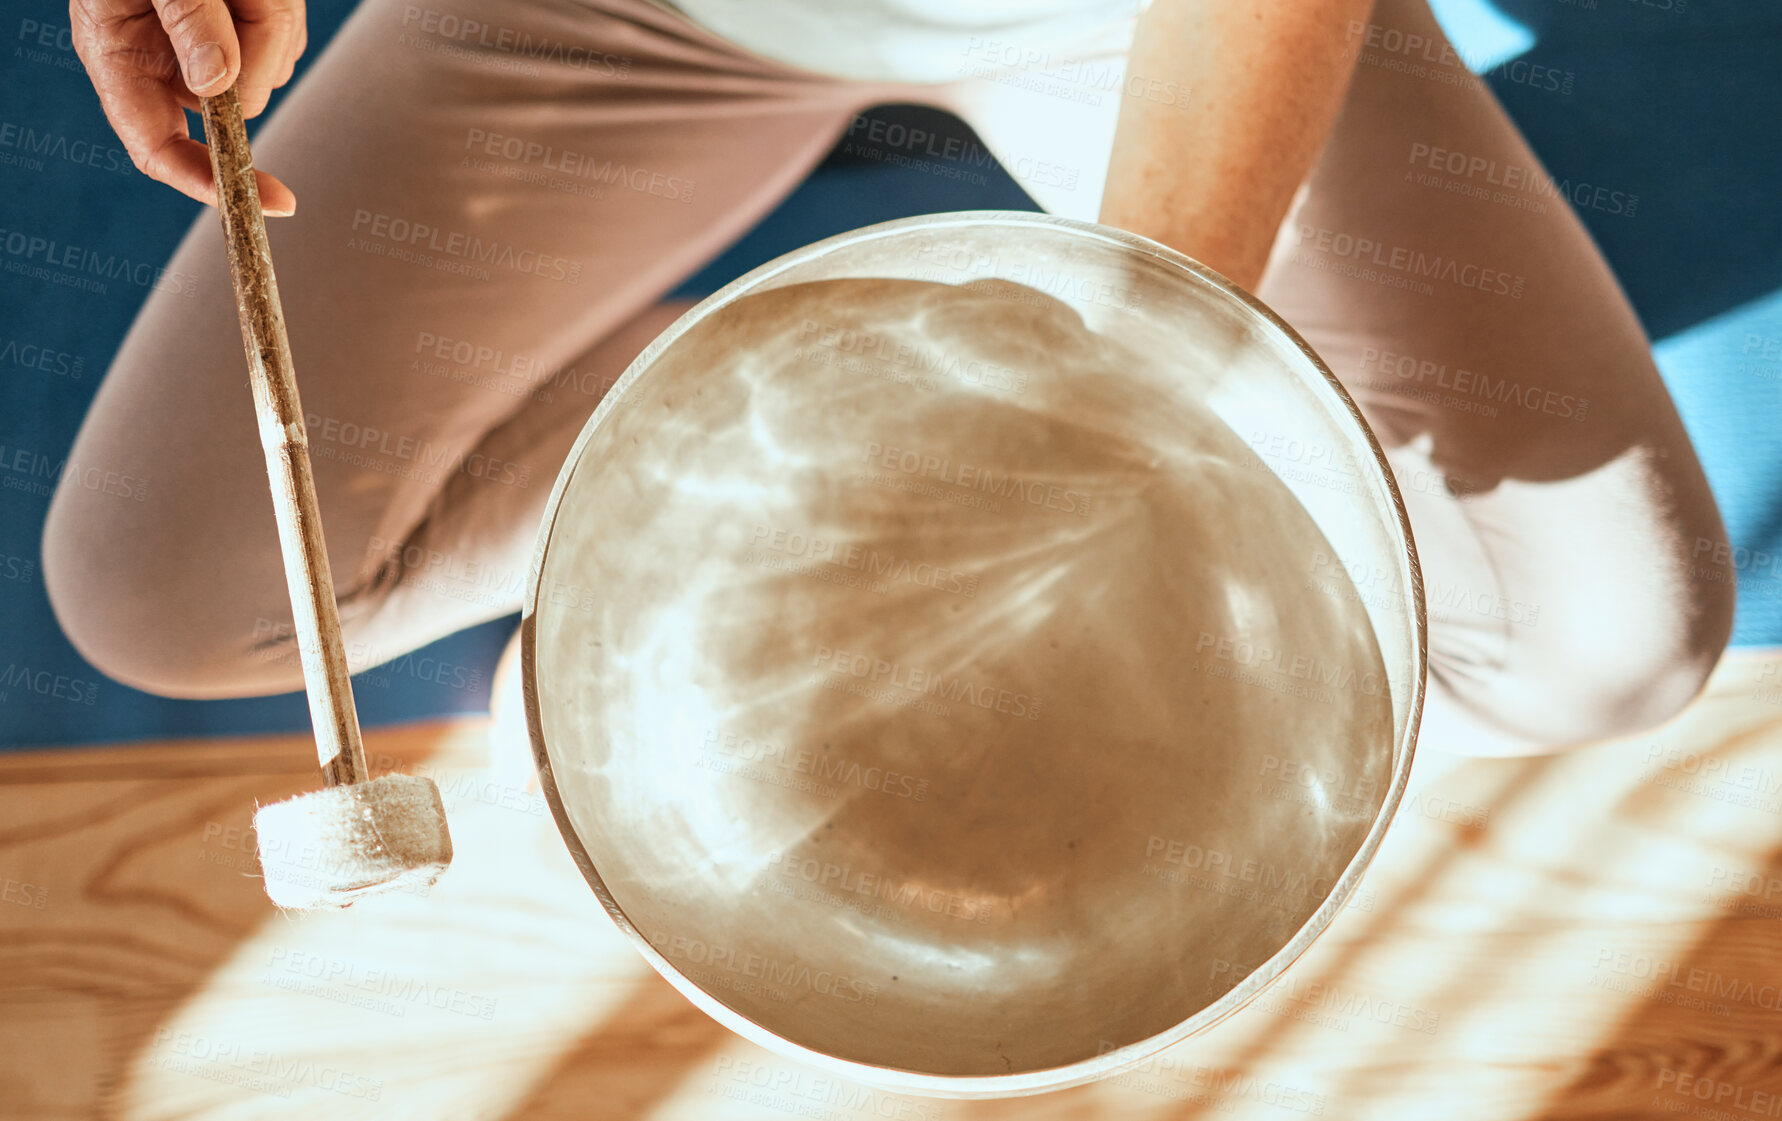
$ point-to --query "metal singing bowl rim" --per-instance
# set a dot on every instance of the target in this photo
(1110, 1062)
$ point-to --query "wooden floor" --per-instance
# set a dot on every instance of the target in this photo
(1597, 935)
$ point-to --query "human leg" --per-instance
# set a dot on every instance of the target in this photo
(479, 209)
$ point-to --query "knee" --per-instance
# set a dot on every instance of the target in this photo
(142, 601)
(1649, 672)
(1681, 626)
(1604, 667)
(1707, 596)
(106, 592)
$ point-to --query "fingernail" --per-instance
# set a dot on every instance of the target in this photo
(204, 66)
(272, 212)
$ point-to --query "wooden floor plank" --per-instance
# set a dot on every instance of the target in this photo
(1592, 935)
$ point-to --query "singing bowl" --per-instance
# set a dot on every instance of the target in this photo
(975, 652)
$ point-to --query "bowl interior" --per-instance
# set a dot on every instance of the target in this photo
(975, 648)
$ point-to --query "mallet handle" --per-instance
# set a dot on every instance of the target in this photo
(286, 442)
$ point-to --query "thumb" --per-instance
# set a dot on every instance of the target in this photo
(203, 36)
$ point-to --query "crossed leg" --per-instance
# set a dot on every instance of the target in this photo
(1555, 498)
(482, 240)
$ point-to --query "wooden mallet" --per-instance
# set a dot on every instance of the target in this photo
(358, 835)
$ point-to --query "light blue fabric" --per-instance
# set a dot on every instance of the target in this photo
(1726, 377)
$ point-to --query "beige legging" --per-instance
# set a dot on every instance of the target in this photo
(495, 199)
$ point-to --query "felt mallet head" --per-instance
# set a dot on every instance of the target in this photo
(331, 847)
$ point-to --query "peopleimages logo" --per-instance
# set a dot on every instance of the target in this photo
(1329, 782)
(1216, 866)
(1167, 1075)
(1758, 885)
(728, 963)
(1298, 667)
(44, 683)
(1411, 262)
(1331, 1005)
(1425, 374)
(360, 986)
(846, 881)
(1755, 782)
(804, 1094)
(1079, 286)
(34, 255)
(55, 146)
(271, 1072)
(896, 675)
(34, 356)
(877, 348)
(1753, 1103)
(1663, 974)
(577, 165)
(1524, 180)
(975, 477)
(869, 562)
(478, 39)
(463, 248)
(823, 767)
(396, 448)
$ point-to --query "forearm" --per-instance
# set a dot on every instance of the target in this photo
(1213, 177)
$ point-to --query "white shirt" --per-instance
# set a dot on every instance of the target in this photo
(926, 41)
